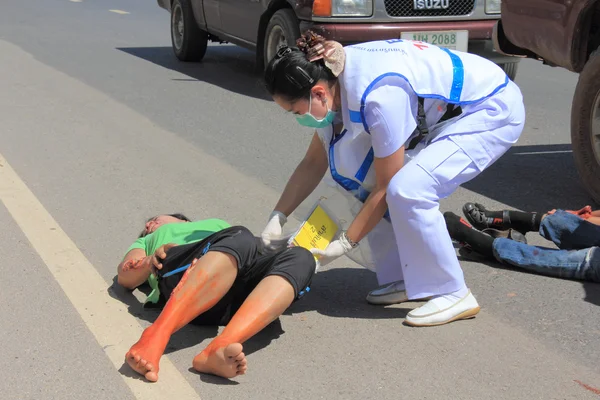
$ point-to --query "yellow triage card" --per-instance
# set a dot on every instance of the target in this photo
(317, 231)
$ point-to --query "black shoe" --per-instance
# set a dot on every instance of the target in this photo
(478, 216)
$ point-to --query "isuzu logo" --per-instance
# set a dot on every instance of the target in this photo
(431, 4)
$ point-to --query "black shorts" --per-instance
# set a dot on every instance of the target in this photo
(296, 264)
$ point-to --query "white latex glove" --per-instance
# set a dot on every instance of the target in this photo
(335, 249)
(274, 228)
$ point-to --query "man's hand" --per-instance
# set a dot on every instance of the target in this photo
(336, 249)
(160, 255)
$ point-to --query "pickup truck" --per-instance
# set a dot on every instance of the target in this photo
(263, 25)
(566, 34)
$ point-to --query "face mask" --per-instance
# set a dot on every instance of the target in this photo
(310, 121)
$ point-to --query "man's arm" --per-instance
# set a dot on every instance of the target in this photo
(135, 269)
(594, 219)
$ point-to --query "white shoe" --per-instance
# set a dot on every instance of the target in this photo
(442, 310)
(392, 293)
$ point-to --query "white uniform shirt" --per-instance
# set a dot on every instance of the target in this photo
(382, 81)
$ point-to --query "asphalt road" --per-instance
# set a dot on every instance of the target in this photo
(106, 128)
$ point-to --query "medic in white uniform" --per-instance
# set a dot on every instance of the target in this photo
(381, 241)
(457, 111)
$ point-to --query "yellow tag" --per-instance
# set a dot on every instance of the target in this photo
(317, 232)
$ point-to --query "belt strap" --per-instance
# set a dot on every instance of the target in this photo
(452, 110)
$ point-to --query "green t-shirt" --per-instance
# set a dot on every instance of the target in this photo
(179, 233)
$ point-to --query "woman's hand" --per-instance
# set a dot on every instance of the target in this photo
(334, 250)
(274, 228)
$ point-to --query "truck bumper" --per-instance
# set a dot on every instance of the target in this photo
(480, 34)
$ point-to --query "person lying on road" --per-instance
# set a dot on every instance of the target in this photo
(229, 282)
(575, 233)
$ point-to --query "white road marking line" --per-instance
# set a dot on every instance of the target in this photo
(119, 12)
(542, 152)
(75, 1)
(107, 318)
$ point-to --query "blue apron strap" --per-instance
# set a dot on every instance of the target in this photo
(344, 182)
(349, 184)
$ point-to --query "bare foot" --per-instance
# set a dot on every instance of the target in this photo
(144, 356)
(227, 362)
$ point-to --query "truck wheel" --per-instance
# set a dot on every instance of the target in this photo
(585, 125)
(510, 69)
(283, 29)
(188, 40)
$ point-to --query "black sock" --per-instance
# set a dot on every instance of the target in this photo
(502, 220)
(461, 231)
(523, 221)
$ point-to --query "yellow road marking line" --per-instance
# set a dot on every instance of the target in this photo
(119, 12)
(107, 318)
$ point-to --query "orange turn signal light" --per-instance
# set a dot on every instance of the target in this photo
(321, 8)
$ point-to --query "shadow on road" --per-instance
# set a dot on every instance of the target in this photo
(536, 178)
(533, 178)
(592, 293)
(229, 67)
(341, 292)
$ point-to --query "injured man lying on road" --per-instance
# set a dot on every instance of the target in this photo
(501, 236)
(210, 273)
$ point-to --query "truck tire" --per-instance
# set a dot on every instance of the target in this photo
(188, 40)
(283, 28)
(510, 69)
(585, 125)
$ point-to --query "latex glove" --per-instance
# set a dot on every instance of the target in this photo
(274, 229)
(335, 249)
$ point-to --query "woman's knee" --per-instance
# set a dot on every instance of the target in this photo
(410, 187)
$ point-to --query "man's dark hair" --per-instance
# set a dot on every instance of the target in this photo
(176, 215)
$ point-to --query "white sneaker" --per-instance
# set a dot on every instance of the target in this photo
(392, 293)
(443, 310)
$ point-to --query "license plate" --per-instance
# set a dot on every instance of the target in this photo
(455, 40)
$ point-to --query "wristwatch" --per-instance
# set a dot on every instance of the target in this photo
(347, 239)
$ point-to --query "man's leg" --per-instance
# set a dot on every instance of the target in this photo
(461, 231)
(581, 264)
(576, 264)
(569, 231)
(204, 283)
(288, 274)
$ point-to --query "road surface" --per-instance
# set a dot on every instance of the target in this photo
(101, 128)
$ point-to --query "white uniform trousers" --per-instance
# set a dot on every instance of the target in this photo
(428, 262)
